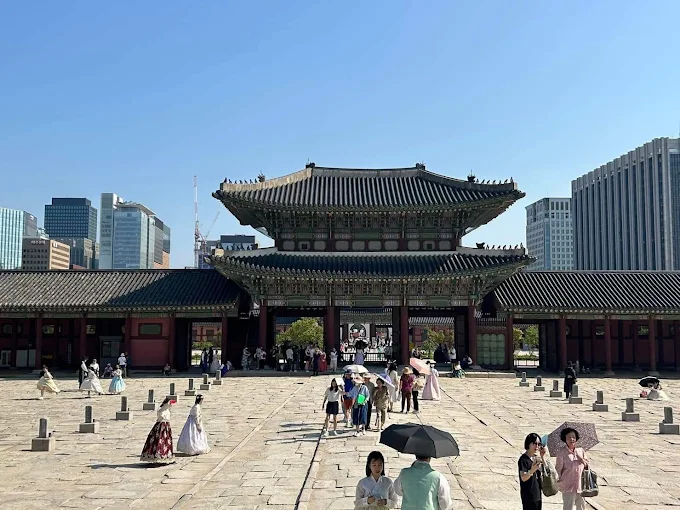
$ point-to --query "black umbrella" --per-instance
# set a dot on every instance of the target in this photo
(422, 440)
(646, 381)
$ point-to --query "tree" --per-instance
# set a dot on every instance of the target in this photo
(302, 332)
(531, 337)
(517, 339)
(434, 338)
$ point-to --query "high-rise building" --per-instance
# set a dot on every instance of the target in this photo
(71, 217)
(109, 204)
(14, 226)
(134, 237)
(627, 212)
(161, 254)
(44, 255)
(84, 252)
(550, 234)
(226, 243)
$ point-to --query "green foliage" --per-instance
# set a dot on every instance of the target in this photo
(529, 357)
(206, 344)
(432, 340)
(517, 338)
(531, 337)
(302, 332)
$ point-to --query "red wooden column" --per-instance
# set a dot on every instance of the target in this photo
(223, 339)
(472, 335)
(82, 341)
(15, 342)
(171, 341)
(329, 329)
(38, 342)
(676, 336)
(403, 335)
(607, 347)
(563, 342)
(652, 347)
(636, 352)
(262, 333)
(127, 338)
(509, 343)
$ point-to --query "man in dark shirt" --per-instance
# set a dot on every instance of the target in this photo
(529, 473)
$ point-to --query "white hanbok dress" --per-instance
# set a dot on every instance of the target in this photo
(431, 390)
(359, 357)
(215, 365)
(91, 383)
(193, 440)
(393, 390)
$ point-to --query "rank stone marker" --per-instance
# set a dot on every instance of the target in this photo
(574, 398)
(206, 384)
(45, 441)
(124, 413)
(89, 426)
(555, 392)
(667, 426)
(218, 378)
(629, 414)
(173, 393)
(539, 384)
(599, 404)
(524, 383)
(150, 404)
(191, 391)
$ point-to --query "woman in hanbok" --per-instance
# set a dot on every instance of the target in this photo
(431, 390)
(46, 383)
(245, 359)
(393, 390)
(91, 383)
(656, 393)
(193, 440)
(158, 447)
(359, 356)
(117, 385)
(376, 491)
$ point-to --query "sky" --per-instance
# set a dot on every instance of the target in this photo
(138, 97)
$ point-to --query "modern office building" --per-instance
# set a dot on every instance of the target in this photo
(627, 212)
(71, 217)
(134, 237)
(109, 204)
(549, 233)
(226, 243)
(161, 254)
(14, 226)
(84, 252)
(44, 255)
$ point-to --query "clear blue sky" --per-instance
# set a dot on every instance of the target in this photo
(137, 97)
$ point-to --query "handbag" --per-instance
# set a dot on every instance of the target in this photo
(548, 480)
(589, 487)
(361, 399)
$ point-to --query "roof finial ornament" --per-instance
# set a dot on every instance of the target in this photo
(310, 164)
(420, 166)
(224, 181)
(260, 177)
(471, 177)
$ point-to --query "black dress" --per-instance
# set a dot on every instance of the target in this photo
(569, 380)
(529, 491)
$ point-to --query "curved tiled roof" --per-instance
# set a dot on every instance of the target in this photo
(366, 263)
(589, 291)
(337, 188)
(117, 290)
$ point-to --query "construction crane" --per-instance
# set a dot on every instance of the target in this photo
(200, 240)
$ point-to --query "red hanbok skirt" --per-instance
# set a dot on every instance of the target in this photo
(323, 366)
(158, 446)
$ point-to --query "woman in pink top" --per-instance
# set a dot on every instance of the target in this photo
(570, 464)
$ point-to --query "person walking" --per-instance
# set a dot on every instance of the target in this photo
(122, 363)
(316, 360)
(158, 448)
(406, 387)
(361, 400)
(394, 389)
(376, 490)
(418, 385)
(289, 358)
(46, 383)
(529, 466)
(422, 487)
(331, 403)
(193, 439)
(347, 400)
(570, 463)
(570, 379)
(334, 360)
(380, 398)
(369, 404)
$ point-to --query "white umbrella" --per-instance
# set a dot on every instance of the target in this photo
(355, 369)
(386, 379)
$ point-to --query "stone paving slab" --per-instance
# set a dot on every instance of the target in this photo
(268, 452)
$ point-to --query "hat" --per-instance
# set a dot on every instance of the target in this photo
(367, 375)
(407, 370)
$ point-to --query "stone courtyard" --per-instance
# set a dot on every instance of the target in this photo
(268, 452)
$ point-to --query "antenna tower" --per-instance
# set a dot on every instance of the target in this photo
(197, 232)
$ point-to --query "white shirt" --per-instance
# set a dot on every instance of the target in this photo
(333, 396)
(383, 488)
(443, 494)
(452, 353)
(122, 361)
(289, 353)
(334, 356)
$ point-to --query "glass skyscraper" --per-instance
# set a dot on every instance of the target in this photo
(71, 217)
(134, 237)
(109, 204)
(14, 226)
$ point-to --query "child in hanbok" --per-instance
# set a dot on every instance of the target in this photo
(193, 440)
(91, 383)
(431, 390)
(46, 383)
(158, 447)
(117, 385)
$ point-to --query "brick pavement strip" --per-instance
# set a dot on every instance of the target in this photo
(268, 453)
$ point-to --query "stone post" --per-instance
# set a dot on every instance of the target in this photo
(206, 384)
(150, 404)
(629, 414)
(89, 426)
(574, 398)
(218, 378)
(539, 384)
(599, 404)
(124, 413)
(524, 383)
(667, 426)
(555, 392)
(191, 391)
(45, 441)
(173, 393)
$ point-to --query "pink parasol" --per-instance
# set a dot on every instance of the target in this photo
(420, 366)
